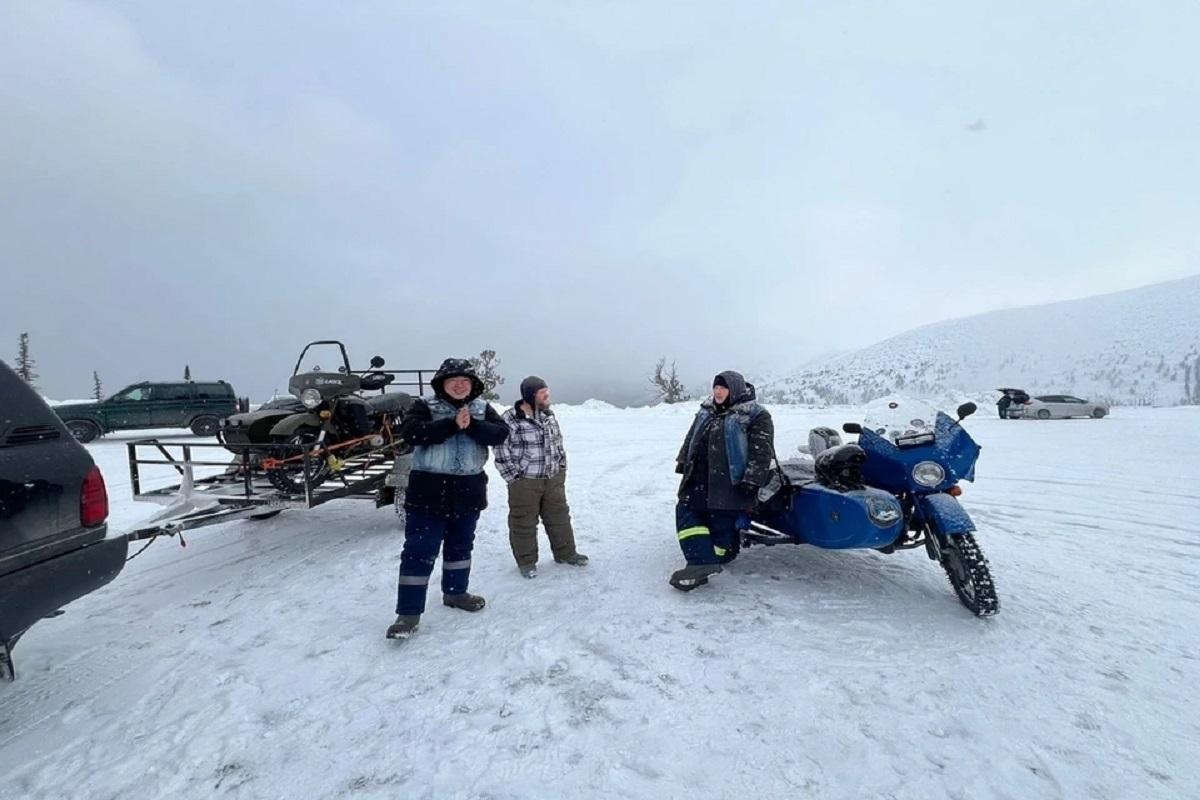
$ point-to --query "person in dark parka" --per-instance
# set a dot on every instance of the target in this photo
(447, 489)
(724, 460)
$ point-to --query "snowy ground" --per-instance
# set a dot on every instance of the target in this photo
(253, 664)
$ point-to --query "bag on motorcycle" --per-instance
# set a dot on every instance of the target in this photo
(355, 417)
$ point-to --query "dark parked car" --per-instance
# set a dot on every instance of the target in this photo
(187, 404)
(53, 507)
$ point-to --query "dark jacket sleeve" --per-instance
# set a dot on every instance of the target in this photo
(761, 435)
(491, 431)
(681, 459)
(419, 427)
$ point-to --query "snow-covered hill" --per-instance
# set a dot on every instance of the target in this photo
(1139, 347)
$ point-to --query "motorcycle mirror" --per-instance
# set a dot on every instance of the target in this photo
(376, 362)
(852, 427)
(966, 410)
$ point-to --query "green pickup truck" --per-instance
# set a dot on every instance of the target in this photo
(184, 404)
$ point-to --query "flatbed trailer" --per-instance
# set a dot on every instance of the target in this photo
(242, 490)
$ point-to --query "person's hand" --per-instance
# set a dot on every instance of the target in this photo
(748, 491)
(463, 420)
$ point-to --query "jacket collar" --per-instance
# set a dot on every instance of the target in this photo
(519, 413)
(744, 405)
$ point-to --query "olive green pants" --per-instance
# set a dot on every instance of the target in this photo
(546, 498)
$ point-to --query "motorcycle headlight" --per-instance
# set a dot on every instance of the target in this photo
(928, 474)
(311, 398)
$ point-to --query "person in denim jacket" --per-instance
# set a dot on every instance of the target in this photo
(447, 489)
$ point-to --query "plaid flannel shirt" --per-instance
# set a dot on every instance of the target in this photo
(534, 447)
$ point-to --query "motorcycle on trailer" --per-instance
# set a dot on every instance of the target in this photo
(892, 490)
(299, 447)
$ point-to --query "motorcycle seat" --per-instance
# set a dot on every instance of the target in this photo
(394, 403)
(799, 470)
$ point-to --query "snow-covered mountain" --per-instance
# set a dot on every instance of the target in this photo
(1138, 347)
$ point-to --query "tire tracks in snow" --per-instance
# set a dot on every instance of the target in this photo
(117, 663)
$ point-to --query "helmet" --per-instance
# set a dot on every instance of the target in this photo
(840, 468)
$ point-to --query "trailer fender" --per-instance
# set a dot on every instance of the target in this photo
(289, 425)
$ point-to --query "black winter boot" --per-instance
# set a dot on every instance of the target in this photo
(467, 602)
(404, 626)
(693, 576)
(576, 559)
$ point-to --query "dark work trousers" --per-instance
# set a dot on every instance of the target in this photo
(708, 536)
(546, 498)
(424, 535)
(529, 499)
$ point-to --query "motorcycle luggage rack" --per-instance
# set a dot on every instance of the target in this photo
(243, 490)
(416, 378)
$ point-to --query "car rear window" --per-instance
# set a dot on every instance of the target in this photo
(213, 390)
(26, 418)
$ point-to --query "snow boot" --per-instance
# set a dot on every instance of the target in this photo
(693, 576)
(404, 626)
(575, 560)
(467, 602)
(529, 571)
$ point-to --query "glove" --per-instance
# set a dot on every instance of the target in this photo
(747, 490)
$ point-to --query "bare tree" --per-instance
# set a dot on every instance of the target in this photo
(667, 385)
(487, 367)
(25, 363)
(97, 387)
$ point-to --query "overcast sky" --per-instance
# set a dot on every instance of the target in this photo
(581, 186)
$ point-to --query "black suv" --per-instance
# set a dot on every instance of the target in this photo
(53, 507)
(187, 404)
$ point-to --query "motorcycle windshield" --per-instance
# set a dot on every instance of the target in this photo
(322, 357)
(899, 416)
(890, 467)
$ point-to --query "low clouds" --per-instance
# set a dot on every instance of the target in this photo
(582, 189)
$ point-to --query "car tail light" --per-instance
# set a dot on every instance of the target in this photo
(93, 499)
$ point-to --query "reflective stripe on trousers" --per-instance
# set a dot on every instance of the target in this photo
(424, 535)
(706, 537)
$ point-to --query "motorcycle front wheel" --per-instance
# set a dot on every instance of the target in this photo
(969, 575)
(292, 477)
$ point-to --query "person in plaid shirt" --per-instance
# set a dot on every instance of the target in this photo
(533, 463)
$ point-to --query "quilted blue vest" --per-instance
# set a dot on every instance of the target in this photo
(458, 455)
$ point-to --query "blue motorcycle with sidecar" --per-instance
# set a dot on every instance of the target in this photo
(885, 493)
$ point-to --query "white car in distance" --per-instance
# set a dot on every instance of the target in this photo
(1058, 406)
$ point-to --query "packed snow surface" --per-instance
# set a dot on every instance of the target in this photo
(252, 663)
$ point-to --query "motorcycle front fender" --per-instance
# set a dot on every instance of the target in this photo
(289, 425)
(945, 514)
